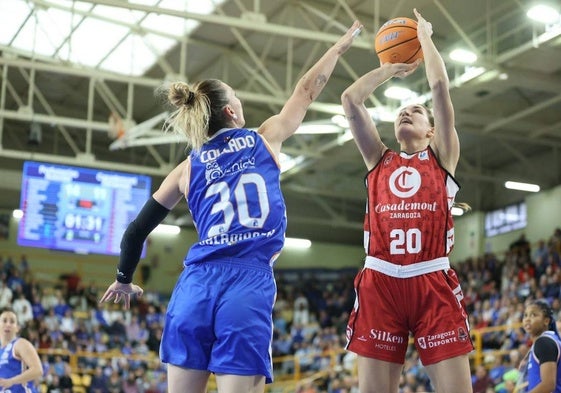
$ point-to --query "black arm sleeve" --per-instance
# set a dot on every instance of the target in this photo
(546, 349)
(150, 216)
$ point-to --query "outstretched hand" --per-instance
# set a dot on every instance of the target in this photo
(118, 291)
(346, 40)
(424, 28)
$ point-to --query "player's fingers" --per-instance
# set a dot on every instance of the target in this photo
(117, 297)
(106, 297)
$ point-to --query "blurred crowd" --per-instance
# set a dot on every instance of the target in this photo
(310, 318)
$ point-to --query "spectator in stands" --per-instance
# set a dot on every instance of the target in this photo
(91, 294)
(37, 307)
(61, 305)
(130, 384)
(15, 281)
(53, 383)
(133, 329)
(72, 282)
(22, 307)
(98, 383)
(497, 366)
(117, 332)
(48, 298)
(155, 338)
(68, 323)
(555, 242)
(301, 313)
(6, 293)
(481, 380)
(65, 380)
(540, 252)
(521, 246)
(114, 384)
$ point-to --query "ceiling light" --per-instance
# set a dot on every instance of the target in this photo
(398, 92)
(383, 114)
(165, 229)
(471, 73)
(293, 242)
(513, 185)
(543, 13)
(340, 120)
(463, 56)
(456, 211)
(318, 129)
(288, 162)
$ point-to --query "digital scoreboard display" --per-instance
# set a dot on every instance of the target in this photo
(507, 219)
(82, 210)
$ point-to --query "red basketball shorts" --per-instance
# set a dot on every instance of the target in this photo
(387, 309)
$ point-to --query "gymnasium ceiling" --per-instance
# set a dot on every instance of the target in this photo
(508, 117)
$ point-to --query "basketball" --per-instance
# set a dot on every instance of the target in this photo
(397, 42)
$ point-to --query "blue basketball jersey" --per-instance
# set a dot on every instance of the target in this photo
(10, 367)
(533, 375)
(235, 199)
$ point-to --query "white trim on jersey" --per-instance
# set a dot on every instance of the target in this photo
(406, 271)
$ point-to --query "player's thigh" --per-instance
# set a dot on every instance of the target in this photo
(227, 383)
(377, 376)
(179, 378)
(451, 375)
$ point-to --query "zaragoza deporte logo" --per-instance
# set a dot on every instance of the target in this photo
(405, 182)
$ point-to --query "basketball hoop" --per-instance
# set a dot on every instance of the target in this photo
(116, 128)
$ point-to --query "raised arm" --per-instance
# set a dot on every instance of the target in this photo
(361, 124)
(445, 144)
(279, 127)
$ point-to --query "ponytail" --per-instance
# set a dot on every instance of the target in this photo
(198, 110)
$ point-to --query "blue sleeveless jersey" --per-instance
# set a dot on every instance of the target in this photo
(235, 199)
(10, 367)
(534, 365)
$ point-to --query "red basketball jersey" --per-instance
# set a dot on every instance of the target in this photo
(409, 204)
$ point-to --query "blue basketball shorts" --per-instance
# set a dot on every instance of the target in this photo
(219, 319)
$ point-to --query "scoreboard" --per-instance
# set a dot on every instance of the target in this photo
(82, 210)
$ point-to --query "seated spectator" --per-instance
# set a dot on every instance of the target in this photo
(497, 367)
(114, 384)
(481, 381)
(67, 323)
(72, 281)
(521, 246)
(37, 307)
(98, 383)
(23, 309)
(508, 385)
(6, 293)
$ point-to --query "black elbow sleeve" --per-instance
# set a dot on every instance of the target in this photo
(134, 236)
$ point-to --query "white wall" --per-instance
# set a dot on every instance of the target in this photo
(544, 215)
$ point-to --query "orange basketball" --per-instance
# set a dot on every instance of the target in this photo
(397, 42)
